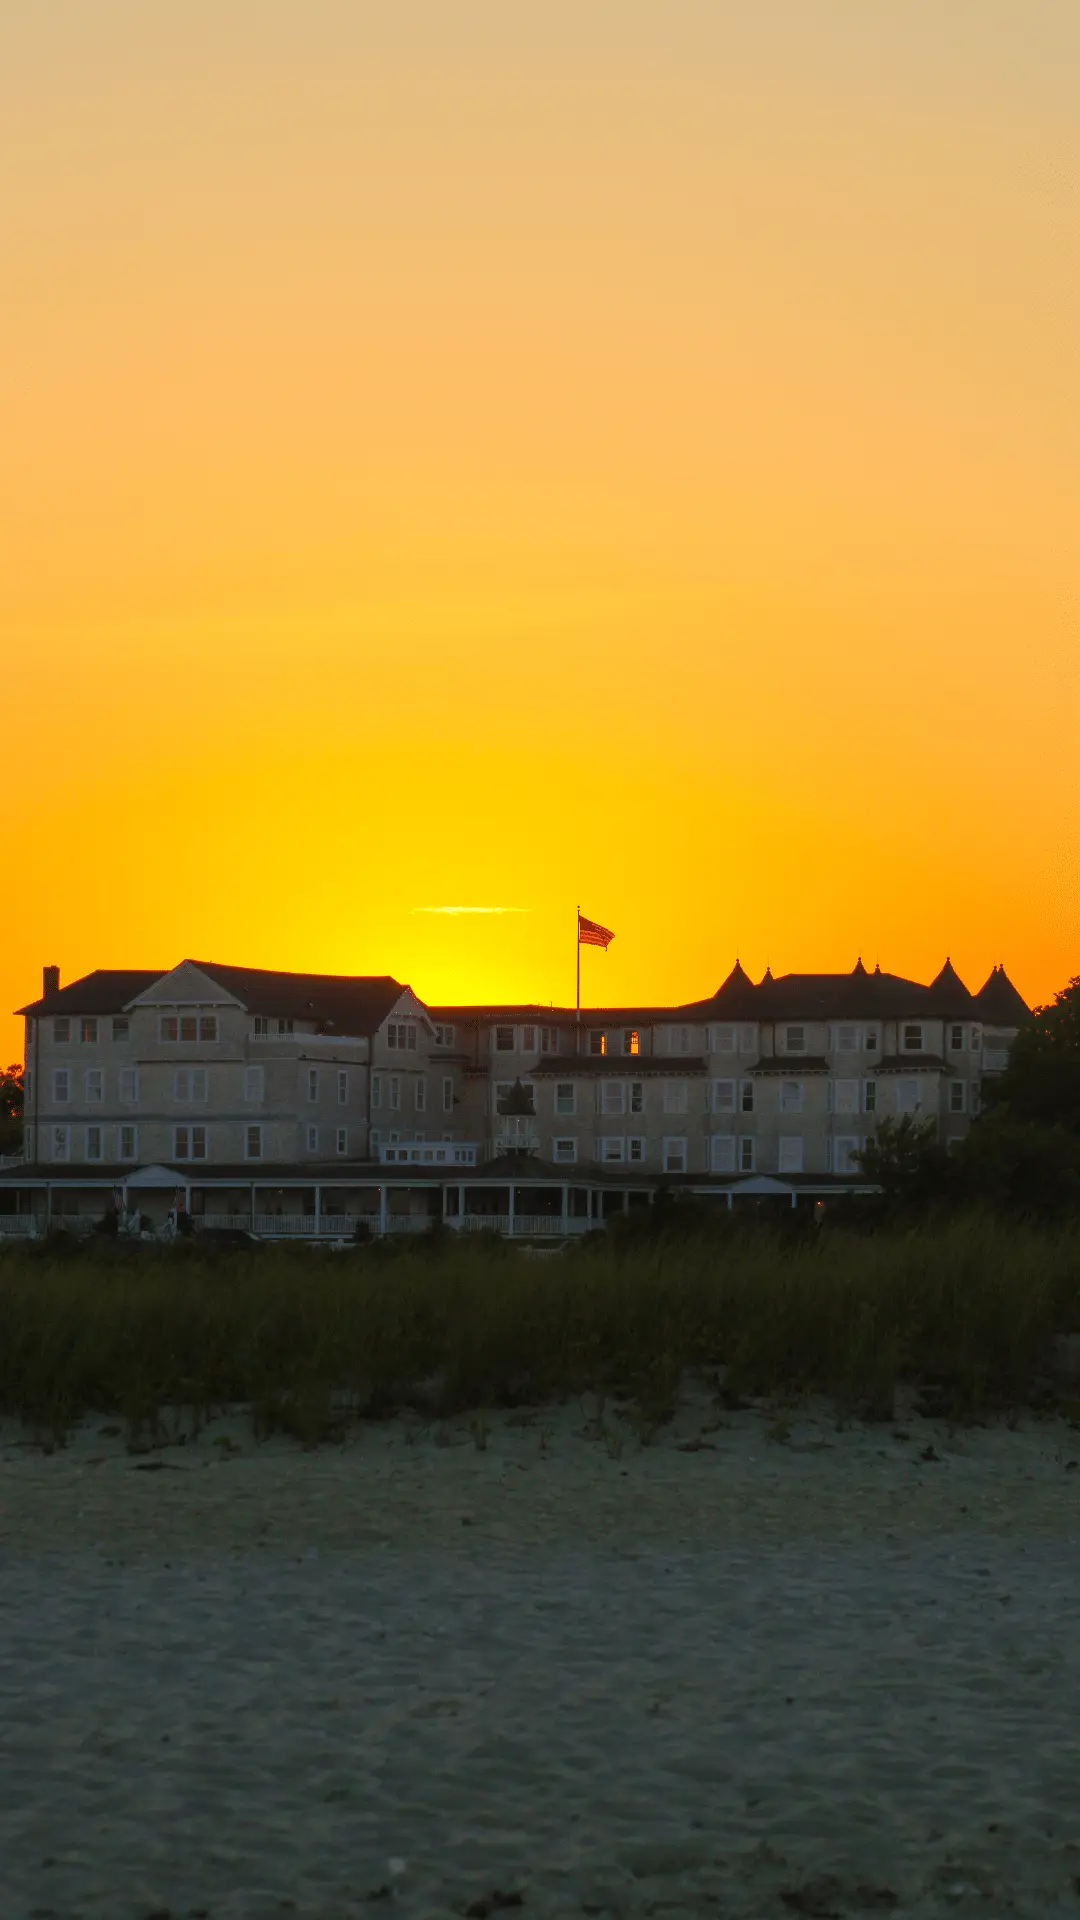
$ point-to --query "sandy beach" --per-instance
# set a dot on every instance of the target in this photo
(454, 1668)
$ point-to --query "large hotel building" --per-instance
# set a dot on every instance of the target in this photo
(303, 1104)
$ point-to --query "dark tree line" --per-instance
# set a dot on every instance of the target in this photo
(11, 1109)
(1023, 1153)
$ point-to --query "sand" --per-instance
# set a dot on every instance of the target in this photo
(414, 1672)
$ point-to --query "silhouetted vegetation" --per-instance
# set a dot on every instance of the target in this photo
(309, 1340)
(12, 1081)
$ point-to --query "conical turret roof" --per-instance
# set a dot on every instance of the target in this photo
(998, 1000)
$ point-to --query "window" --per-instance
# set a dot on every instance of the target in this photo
(565, 1097)
(844, 1156)
(93, 1143)
(61, 1032)
(549, 1039)
(847, 1039)
(444, 1035)
(632, 1041)
(376, 1089)
(253, 1143)
(913, 1040)
(907, 1096)
(746, 1097)
(747, 1153)
(189, 1027)
(869, 1096)
(286, 1026)
(674, 1156)
(722, 1153)
(342, 1142)
(168, 1028)
(61, 1086)
(260, 1026)
(845, 1096)
(208, 1028)
(129, 1143)
(635, 1148)
(723, 1039)
(343, 1089)
(88, 1030)
(254, 1083)
(421, 1094)
(637, 1096)
(313, 1083)
(94, 1083)
(957, 1096)
(789, 1159)
(791, 1096)
(313, 1139)
(871, 1039)
(676, 1096)
(189, 1143)
(612, 1149)
(748, 1039)
(564, 1152)
(447, 1095)
(613, 1097)
(598, 1043)
(121, 1028)
(499, 1092)
(679, 1040)
(795, 1039)
(723, 1096)
(504, 1039)
(528, 1039)
(976, 1039)
(190, 1083)
(61, 1143)
(956, 1039)
(395, 1093)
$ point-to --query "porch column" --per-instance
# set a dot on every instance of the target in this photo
(461, 1206)
(730, 1199)
(626, 1201)
(793, 1196)
(510, 1216)
(253, 1206)
(565, 1206)
(382, 1209)
(318, 1210)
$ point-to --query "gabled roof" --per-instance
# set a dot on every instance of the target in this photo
(106, 990)
(998, 1000)
(341, 1002)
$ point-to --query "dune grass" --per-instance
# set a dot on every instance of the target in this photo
(306, 1339)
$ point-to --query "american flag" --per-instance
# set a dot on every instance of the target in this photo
(591, 935)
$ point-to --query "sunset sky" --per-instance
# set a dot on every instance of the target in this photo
(482, 453)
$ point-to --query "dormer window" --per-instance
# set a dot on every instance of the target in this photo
(795, 1039)
(956, 1039)
(633, 1041)
(598, 1043)
(913, 1039)
(504, 1039)
(401, 1034)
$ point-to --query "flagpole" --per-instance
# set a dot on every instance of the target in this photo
(577, 934)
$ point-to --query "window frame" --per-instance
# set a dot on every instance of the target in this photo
(88, 1030)
(448, 1093)
(341, 1142)
(94, 1078)
(716, 1142)
(909, 1027)
(718, 1104)
(677, 1097)
(500, 1042)
(795, 1145)
(560, 1159)
(566, 1112)
(61, 1136)
(121, 1028)
(675, 1146)
(796, 1102)
(253, 1131)
(123, 1152)
(61, 1030)
(746, 1154)
(61, 1094)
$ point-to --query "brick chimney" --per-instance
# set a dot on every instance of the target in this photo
(50, 981)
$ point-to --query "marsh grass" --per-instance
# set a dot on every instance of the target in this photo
(311, 1342)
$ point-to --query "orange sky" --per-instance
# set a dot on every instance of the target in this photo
(507, 456)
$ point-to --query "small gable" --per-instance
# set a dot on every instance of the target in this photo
(186, 986)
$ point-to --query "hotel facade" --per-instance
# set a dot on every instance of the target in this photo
(302, 1105)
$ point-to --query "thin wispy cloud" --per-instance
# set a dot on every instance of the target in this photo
(470, 909)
